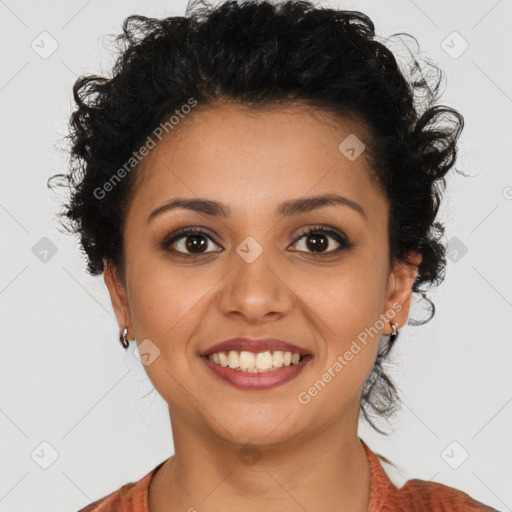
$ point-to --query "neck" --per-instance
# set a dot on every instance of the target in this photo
(327, 471)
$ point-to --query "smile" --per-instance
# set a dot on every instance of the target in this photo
(256, 371)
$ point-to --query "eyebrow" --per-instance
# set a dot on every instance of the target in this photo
(287, 209)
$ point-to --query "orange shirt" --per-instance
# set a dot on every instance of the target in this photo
(414, 495)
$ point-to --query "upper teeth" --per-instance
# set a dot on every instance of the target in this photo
(250, 362)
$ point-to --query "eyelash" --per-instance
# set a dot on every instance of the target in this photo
(337, 236)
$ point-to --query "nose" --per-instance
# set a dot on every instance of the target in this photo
(256, 290)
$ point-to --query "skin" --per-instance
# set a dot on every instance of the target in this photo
(311, 457)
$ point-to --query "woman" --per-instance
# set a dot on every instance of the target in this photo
(259, 185)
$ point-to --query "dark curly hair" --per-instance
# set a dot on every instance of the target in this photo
(261, 54)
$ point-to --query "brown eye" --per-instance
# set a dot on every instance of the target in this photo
(189, 242)
(318, 240)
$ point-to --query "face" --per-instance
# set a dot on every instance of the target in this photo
(256, 272)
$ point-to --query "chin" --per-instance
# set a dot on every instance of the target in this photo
(262, 426)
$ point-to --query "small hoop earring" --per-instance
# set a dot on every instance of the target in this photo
(123, 338)
(394, 333)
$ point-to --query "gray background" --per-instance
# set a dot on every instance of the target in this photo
(67, 382)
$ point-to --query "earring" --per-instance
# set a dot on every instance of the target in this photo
(394, 333)
(123, 338)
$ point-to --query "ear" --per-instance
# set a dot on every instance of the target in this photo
(401, 281)
(117, 295)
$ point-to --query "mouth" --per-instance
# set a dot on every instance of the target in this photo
(254, 346)
(255, 364)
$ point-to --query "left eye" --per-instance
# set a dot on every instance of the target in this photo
(319, 240)
(189, 242)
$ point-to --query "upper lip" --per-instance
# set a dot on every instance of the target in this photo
(255, 346)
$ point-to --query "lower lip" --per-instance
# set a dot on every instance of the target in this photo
(259, 381)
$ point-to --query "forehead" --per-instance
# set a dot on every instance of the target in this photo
(238, 156)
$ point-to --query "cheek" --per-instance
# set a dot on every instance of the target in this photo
(346, 308)
(166, 302)
(348, 299)
(166, 308)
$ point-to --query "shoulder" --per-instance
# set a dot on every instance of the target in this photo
(415, 495)
(131, 497)
(432, 496)
(114, 502)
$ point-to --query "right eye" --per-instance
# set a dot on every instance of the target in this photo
(188, 242)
